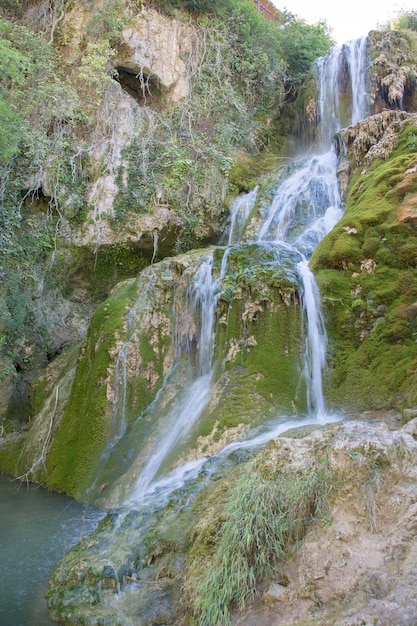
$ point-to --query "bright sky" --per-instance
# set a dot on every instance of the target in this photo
(349, 19)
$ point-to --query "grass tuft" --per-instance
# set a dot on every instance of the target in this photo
(260, 519)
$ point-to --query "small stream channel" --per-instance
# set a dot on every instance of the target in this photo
(37, 528)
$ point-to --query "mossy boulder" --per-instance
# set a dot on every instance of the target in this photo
(258, 344)
(367, 272)
(107, 418)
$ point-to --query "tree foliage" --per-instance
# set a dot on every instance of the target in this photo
(405, 20)
(290, 40)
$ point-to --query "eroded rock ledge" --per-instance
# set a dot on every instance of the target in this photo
(355, 564)
(375, 137)
(358, 564)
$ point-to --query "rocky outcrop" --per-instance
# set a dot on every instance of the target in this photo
(149, 65)
(152, 53)
(355, 562)
(393, 70)
(356, 565)
(372, 138)
(146, 75)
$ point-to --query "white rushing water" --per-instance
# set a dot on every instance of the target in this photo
(358, 66)
(202, 298)
(315, 346)
(345, 67)
(306, 205)
(240, 210)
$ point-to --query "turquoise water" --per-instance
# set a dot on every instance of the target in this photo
(36, 528)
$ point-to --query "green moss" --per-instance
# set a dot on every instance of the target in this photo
(9, 454)
(247, 170)
(262, 369)
(48, 394)
(369, 285)
(97, 274)
(86, 423)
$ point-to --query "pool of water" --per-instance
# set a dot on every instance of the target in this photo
(36, 528)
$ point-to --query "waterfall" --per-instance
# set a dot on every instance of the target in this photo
(301, 205)
(201, 301)
(357, 59)
(315, 346)
(307, 203)
(239, 213)
(305, 206)
(341, 83)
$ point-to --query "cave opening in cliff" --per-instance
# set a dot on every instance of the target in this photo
(140, 85)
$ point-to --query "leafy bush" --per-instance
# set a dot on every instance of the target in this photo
(405, 20)
(37, 111)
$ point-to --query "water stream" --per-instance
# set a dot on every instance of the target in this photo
(306, 204)
(201, 300)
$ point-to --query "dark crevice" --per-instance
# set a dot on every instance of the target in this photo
(140, 86)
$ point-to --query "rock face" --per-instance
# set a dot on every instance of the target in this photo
(149, 65)
(393, 68)
(356, 565)
(373, 138)
(152, 52)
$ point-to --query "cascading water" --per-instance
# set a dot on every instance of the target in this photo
(239, 213)
(306, 205)
(202, 295)
(357, 59)
(307, 201)
(341, 78)
(315, 346)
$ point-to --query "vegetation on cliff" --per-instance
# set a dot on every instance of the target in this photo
(187, 154)
(56, 103)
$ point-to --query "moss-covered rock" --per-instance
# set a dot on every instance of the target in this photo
(366, 270)
(23, 454)
(258, 342)
(86, 425)
(109, 415)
